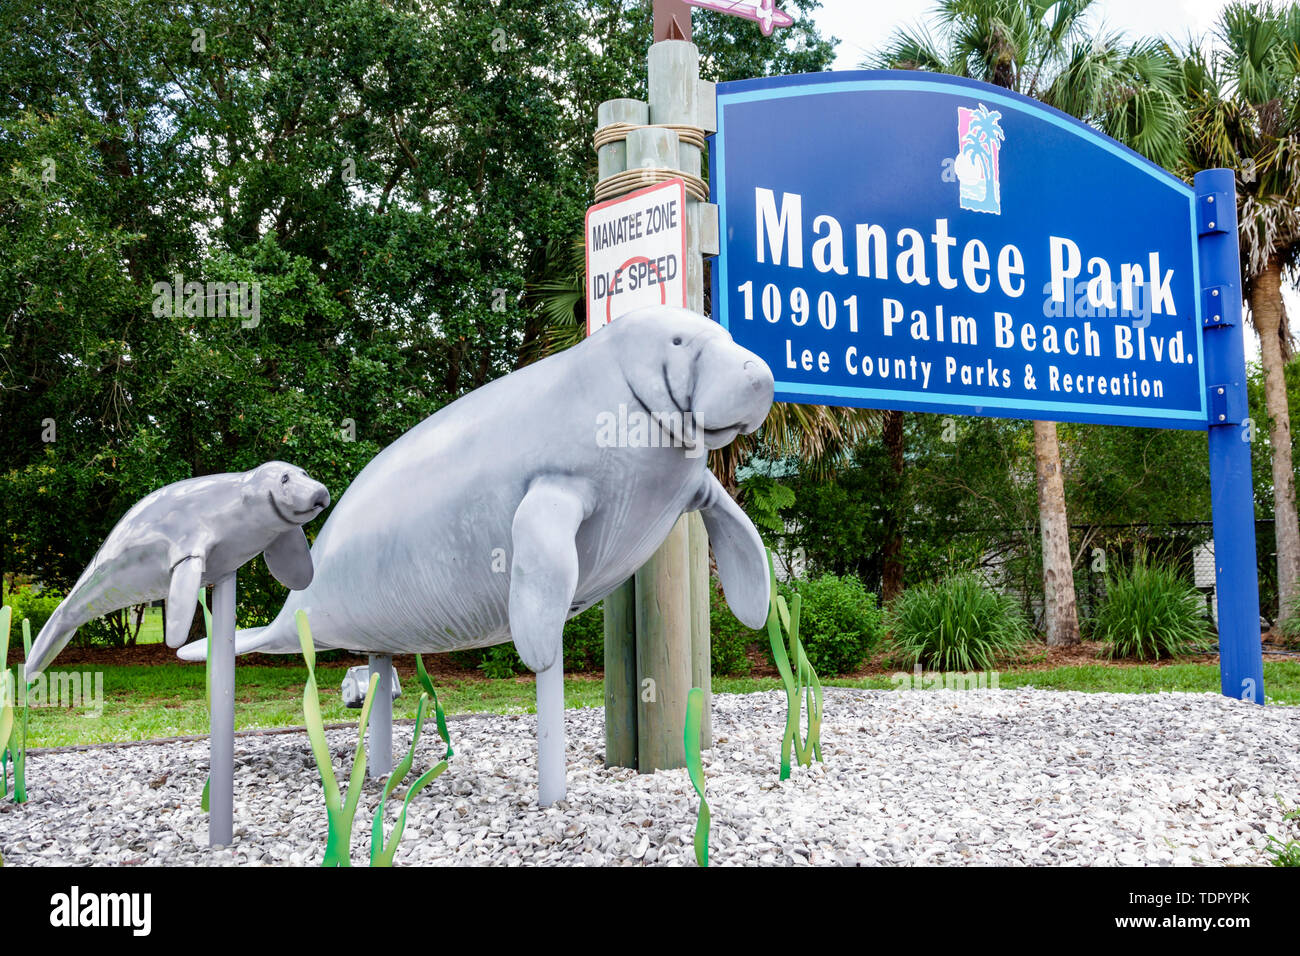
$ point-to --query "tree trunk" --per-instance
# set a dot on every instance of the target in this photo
(1060, 614)
(892, 575)
(1268, 314)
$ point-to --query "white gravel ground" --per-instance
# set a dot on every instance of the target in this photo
(920, 777)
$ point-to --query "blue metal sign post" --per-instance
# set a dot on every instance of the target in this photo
(1241, 666)
(916, 241)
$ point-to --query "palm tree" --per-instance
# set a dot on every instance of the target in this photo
(1130, 90)
(1244, 114)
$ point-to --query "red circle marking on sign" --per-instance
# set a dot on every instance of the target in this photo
(663, 289)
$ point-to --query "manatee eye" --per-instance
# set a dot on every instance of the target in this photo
(677, 340)
(284, 479)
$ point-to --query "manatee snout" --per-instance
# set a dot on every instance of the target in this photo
(733, 393)
(317, 497)
(762, 386)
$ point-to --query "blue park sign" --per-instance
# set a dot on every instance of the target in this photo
(923, 242)
(914, 241)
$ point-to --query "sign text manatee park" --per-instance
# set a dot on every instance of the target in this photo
(921, 242)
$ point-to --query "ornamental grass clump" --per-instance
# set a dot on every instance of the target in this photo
(340, 806)
(1149, 613)
(957, 623)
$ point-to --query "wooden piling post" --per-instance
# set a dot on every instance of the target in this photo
(663, 662)
(657, 641)
(620, 606)
(379, 753)
(674, 81)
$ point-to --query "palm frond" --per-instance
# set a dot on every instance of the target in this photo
(910, 49)
(559, 296)
(822, 437)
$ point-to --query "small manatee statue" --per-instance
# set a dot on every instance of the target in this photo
(187, 535)
(532, 498)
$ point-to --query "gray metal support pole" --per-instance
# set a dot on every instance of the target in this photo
(379, 749)
(551, 783)
(221, 741)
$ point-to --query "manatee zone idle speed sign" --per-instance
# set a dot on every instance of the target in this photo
(636, 252)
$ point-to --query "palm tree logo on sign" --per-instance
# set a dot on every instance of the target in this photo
(979, 143)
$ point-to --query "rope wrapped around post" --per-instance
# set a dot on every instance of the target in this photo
(633, 179)
(690, 135)
(639, 177)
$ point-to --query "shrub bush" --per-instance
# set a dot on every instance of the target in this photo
(729, 640)
(839, 623)
(1150, 612)
(584, 649)
(36, 607)
(94, 633)
(957, 623)
(584, 641)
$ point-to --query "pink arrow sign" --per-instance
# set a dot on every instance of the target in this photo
(762, 12)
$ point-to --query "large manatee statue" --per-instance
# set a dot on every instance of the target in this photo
(531, 499)
(185, 536)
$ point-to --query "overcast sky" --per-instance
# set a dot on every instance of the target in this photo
(864, 26)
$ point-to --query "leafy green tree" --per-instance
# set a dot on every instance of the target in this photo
(1261, 471)
(965, 499)
(387, 173)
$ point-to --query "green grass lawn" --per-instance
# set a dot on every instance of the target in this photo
(151, 628)
(168, 700)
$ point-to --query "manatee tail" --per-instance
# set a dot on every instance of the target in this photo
(54, 637)
(274, 638)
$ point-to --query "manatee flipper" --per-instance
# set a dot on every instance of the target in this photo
(543, 577)
(544, 569)
(741, 556)
(289, 559)
(182, 599)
